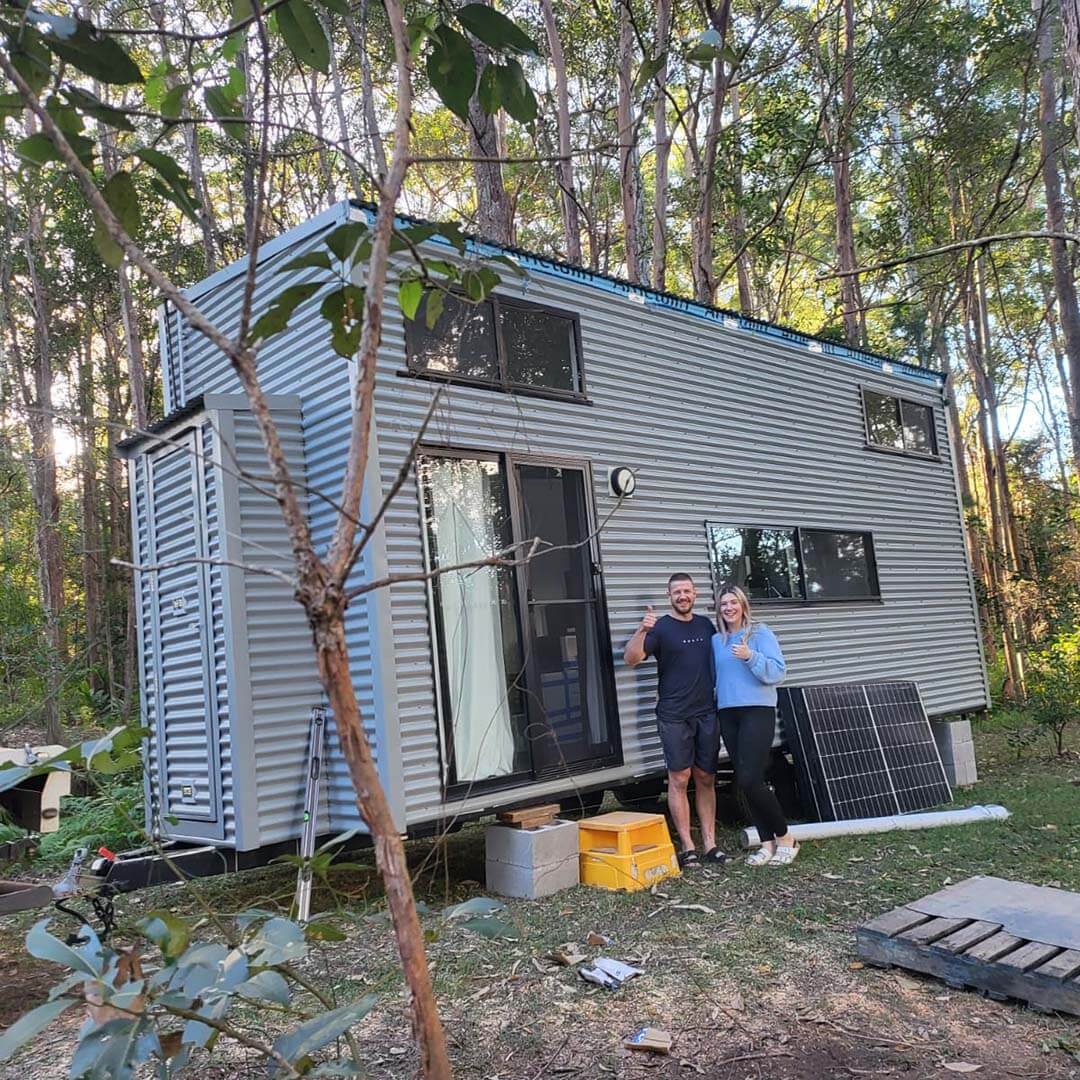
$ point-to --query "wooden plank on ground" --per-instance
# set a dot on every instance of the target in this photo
(895, 922)
(963, 939)
(1029, 956)
(926, 932)
(1065, 965)
(993, 948)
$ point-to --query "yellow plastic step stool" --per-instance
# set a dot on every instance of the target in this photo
(623, 850)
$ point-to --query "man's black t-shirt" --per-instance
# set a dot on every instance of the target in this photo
(684, 657)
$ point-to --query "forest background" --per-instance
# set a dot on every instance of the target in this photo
(751, 155)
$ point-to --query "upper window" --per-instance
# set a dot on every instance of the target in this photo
(509, 344)
(794, 564)
(894, 423)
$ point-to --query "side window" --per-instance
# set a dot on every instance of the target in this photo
(794, 564)
(508, 344)
(894, 423)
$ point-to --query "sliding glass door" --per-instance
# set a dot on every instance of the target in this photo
(523, 656)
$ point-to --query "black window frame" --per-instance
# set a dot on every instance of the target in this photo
(798, 530)
(504, 384)
(881, 448)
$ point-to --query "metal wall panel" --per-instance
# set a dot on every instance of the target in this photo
(723, 425)
(186, 728)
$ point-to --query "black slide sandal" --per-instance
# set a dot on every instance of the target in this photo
(688, 858)
(715, 856)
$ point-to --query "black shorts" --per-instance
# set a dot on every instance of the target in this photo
(693, 741)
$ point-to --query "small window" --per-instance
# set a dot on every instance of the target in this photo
(793, 564)
(894, 423)
(510, 344)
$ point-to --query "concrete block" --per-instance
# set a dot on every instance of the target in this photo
(532, 862)
(531, 882)
(957, 748)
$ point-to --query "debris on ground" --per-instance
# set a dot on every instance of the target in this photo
(608, 973)
(650, 1040)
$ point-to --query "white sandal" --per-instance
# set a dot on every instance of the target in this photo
(760, 857)
(784, 855)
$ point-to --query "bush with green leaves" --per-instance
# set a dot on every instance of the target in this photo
(1054, 687)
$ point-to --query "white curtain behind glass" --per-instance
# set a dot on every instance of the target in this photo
(461, 502)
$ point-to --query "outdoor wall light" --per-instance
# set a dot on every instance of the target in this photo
(622, 481)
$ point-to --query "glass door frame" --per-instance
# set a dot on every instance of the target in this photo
(508, 462)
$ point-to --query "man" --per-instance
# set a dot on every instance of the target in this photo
(681, 642)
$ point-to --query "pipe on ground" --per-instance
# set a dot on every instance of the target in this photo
(824, 830)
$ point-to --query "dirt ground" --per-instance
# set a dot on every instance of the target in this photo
(752, 972)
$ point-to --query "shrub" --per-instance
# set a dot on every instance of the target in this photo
(1054, 687)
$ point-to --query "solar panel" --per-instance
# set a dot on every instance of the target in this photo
(863, 749)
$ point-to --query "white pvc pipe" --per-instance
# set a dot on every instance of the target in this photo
(823, 830)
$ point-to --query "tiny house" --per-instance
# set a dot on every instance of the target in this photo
(817, 476)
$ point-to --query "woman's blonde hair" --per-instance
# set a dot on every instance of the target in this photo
(747, 620)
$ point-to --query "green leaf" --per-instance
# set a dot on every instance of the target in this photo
(36, 149)
(479, 283)
(648, 71)
(67, 119)
(224, 110)
(343, 241)
(276, 318)
(490, 928)
(172, 103)
(169, 933)
(433, 308)
(322, 1029)
(409, 294)
(10, 105)
(93, 106)
(451, 67)
(241, 11)
(515, 92)
(119, 192)
(489, 94)
(303, 33)
(478, 905)
(176, 187)
(83, 46)
(343, 309)
(29, 56)
(43, 946)
(321, 931)
(312, 260)
(31, 1024)
(495, 29)
(235, 84)
(338, 7)
(265, 986)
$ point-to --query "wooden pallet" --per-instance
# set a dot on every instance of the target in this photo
(974, 953)
(531, 817)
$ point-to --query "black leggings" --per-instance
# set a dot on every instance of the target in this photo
(748, 736)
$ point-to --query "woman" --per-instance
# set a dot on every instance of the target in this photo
(749, 664)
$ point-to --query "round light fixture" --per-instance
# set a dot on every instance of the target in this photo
(622, 481)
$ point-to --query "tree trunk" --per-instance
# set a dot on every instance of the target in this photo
(372, 135)
(1070, 17)
(629, 168)
(356, 180)
(494, 213)
(46, 497)
(701, 226)
(133, 344)
(738, 217)
(93, 593)
(565, 169)
(663, 150)
(1064, 284)
(850, 290)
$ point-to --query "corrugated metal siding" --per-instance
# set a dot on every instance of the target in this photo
(298, 361)
(147, 638)
(219, 690)
(184, 722)
(283, 679)
(721, 425)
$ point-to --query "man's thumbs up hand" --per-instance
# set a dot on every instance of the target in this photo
(648, 620)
